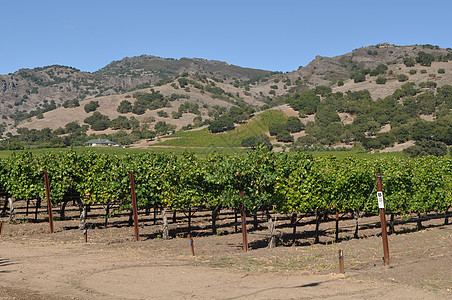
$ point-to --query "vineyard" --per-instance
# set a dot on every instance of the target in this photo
(259, 183)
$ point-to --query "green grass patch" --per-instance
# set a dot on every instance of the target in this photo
(203, 138)
(107, 150)
(121, 152)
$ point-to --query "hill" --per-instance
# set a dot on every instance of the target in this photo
(43, 89)
(148, 96)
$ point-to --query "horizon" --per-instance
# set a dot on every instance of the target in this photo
(255, 34)
(75, 67)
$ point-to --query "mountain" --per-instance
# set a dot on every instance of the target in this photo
(188, 93)
(48, 87)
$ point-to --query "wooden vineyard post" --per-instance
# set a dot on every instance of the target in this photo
(192, 246)
(381, 207)
(49, 203)
(85, 235)
(134, 205)
(244, 233)
(336, 238)
(1, 228)
(341, 262)
(294, 229)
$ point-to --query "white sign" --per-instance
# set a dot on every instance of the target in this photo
(381, 203)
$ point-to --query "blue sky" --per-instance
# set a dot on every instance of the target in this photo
(271, 35)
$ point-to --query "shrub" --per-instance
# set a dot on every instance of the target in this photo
(293, 124)
(274, 129)
(284, 137)
(71, 103)
(424, 59)
(274, 87)
(427, 147)
(428, 84)
(381, 80)
(124, 107)
(409, 61)
(423, 71)
(322, 90)
(340, 82)
(182, 82)
(91, 106)
(441, 71)
(254, 141)
(402, 78)
(412, 72)
(120, 122)
(221, 124)
(162, 114)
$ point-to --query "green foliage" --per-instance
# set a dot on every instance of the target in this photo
(293, 124)
(71, 103)
(425, 59)
(402, 77)
(409, 61)
(223, 123)
(98, 121)
(322, 90)
(441, 71)
(162, 114)
(120, 122)
(340, 82)
(381, 80)
(124, 107)
(284, 136)
(380, 69)
(151, 101)
(286, 183)
(255, 141)
(162, 128)
(427, 147)
(359, 75)
(305, 102)
(91, 106)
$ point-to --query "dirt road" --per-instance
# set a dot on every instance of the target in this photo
(52, 267)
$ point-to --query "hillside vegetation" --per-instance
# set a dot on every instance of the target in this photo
(374, 97)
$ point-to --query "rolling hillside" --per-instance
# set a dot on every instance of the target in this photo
(196, 92)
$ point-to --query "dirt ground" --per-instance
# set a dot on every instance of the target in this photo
(35, 264)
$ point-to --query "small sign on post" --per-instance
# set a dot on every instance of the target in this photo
(341, 262)
(192, 246)
(381, 202)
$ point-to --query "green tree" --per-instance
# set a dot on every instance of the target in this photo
(409, 61)
(427, 147)
(284, 136)
(425, 59)
(254, 141)
(71, 103)
(402, 77)
(91, 106)
(293, 124)
(381, 80)
(124, 107)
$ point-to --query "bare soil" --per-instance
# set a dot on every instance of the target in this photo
(35, 264)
